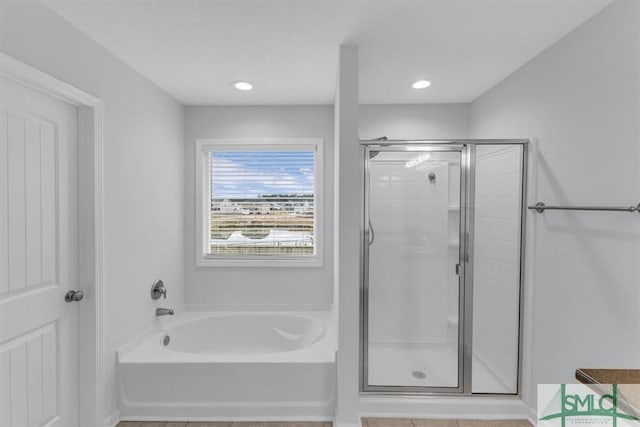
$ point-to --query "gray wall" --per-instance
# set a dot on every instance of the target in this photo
(580, 99)
(208, 287)
(143, 169)
(221, 287)
(402, 121)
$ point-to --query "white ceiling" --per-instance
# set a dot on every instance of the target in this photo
(194, 49)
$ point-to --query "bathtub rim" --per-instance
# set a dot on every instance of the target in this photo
(144, 347)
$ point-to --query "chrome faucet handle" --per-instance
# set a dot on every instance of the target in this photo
(158, 290)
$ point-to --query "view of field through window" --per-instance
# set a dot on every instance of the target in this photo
(262, 202)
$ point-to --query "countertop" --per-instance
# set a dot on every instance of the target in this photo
(628, 381)
(608, 376)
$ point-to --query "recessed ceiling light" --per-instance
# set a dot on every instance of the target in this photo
(242, 85)
(421, 84)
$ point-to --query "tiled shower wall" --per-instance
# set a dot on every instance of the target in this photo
(408, 260)
(496, 270)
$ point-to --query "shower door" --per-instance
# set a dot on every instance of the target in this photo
(413, 292)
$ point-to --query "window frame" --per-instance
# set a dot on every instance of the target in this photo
(203, 148)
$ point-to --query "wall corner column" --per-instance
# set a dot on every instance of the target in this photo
(348, 213)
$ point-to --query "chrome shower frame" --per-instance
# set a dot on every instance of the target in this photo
(467, 150)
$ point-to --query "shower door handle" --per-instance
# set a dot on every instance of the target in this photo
(372, 234)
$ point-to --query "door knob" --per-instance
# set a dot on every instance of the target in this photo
(73, 296)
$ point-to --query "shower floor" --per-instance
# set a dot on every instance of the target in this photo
(404, 364)
(401, 365)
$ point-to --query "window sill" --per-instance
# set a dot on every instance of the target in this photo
(249, 262)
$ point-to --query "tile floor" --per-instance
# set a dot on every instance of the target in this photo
(366, 422)
(218, 424)
(406, 422)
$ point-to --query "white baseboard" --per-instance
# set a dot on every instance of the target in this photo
(112, 419)
(238, 419)
(487, 408)
(229, 411)
(339, 423)
(532, 416)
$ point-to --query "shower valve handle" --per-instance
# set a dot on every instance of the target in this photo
(158, 290)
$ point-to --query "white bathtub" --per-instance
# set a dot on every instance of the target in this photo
(223, 366)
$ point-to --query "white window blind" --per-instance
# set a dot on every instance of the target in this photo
(262, 201)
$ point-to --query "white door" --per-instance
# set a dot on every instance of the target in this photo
(38, 259)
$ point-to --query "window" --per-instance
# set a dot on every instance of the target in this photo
(259, 202)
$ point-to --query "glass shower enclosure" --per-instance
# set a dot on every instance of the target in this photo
(443, 236)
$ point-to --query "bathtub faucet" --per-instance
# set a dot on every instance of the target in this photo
(164, 311)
